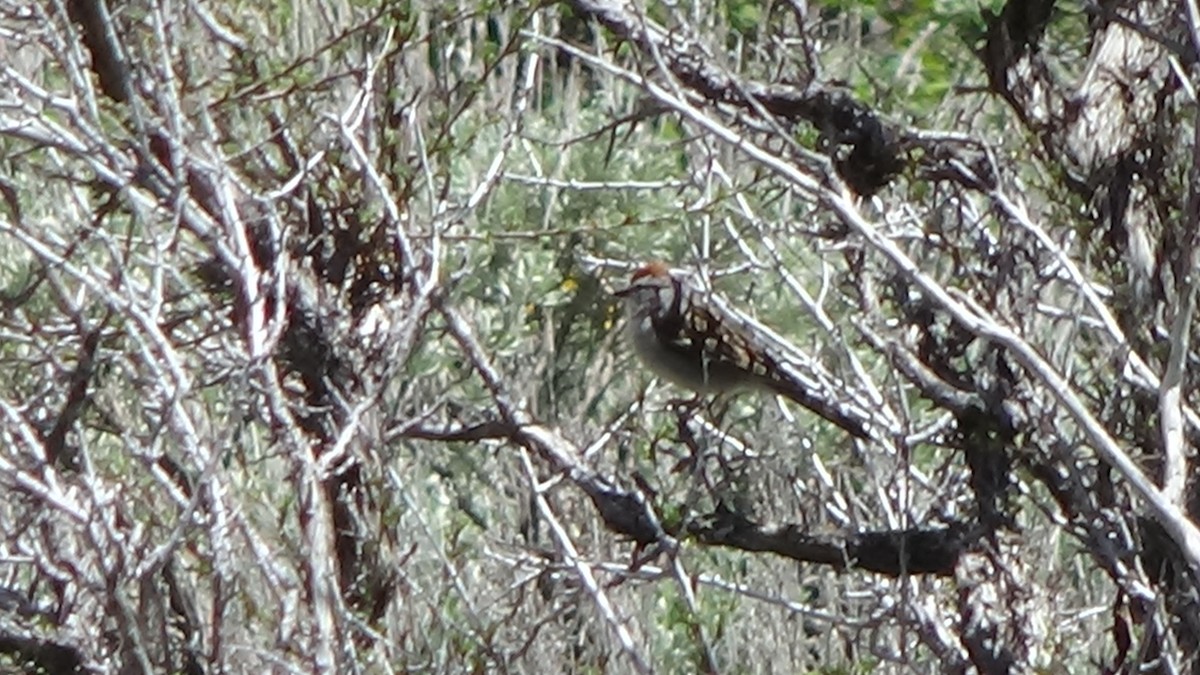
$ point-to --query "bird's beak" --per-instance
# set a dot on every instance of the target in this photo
(623, 292)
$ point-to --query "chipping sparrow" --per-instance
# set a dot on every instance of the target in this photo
(691, 337)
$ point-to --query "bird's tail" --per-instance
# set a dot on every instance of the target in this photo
(848, 416)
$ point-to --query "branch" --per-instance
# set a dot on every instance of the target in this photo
(894, 552)
(874, 158)
(1170, 402)
(42, 656)
(957, 305)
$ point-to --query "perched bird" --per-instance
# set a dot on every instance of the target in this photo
(693, 338)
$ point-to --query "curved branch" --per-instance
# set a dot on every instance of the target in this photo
(874, 158)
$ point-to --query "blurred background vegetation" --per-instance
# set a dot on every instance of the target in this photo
(282, 284)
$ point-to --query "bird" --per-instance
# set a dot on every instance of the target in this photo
(693, 338)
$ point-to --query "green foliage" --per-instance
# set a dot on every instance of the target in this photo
(744, 16)
(588, 172)
(861, 667)
(678, 630)
(916, 52)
